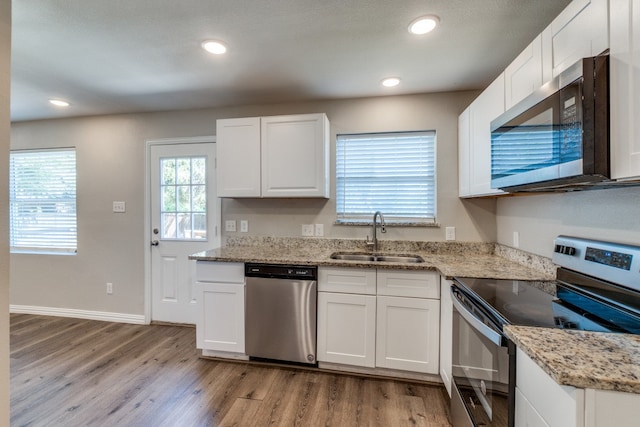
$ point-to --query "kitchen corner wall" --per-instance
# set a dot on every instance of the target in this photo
(611, 214)
(111, 165)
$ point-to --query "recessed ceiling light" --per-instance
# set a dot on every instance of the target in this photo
(213, 46)
(391, 82)
(59, 103)
(423, 25)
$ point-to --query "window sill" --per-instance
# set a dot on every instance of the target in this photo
(389, 223)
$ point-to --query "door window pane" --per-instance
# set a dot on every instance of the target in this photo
(184, 198)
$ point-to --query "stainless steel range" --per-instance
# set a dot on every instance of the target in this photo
(598, 289)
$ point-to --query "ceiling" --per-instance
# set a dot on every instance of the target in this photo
(123, 56)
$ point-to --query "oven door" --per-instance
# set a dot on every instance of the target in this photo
(483, 368)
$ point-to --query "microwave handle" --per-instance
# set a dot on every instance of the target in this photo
(490, 333)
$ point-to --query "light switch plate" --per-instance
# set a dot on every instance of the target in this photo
(307, 230)
(450, 233)
(119, 207)
(244, 226)
(516, 239)
(230, 225)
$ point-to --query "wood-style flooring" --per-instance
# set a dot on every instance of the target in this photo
(74, 372)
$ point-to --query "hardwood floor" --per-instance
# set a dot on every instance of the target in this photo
(73, 372)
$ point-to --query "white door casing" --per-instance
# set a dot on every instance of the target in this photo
(183, 217)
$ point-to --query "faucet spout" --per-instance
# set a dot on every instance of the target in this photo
(382, 229)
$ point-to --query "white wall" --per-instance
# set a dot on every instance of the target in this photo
(5, 70)
(611, 214)
(110, 157)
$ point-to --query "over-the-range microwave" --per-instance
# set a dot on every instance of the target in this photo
(557, 138)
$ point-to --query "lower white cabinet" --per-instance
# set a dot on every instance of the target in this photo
(379, 318)
(407, 335)
(347, 329)
(540, 401)
(220, 296)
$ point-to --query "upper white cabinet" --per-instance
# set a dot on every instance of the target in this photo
(581, 30)
(278, 156)
(477, 146)
(525, 74)
(625, 89)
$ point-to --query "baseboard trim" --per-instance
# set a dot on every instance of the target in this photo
(105, 316)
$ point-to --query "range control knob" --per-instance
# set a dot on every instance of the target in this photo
(566, 250)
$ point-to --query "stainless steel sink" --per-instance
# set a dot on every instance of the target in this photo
(351, 256)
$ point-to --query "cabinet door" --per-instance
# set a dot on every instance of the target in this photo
(581, 30)
(625, 89)
(526, 415)
(238, 151)
(220, 325)
(446, 333)
(347, 329)
(488, 106)
(464, 147)
(407, 335)
(295, 156)
(525, 74)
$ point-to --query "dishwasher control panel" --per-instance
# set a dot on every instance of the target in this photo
(281, 271)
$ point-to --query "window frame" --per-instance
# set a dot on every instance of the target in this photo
(67, 221)
(429, 158)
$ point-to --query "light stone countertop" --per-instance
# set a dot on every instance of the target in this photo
(597, 360)
(449, 259)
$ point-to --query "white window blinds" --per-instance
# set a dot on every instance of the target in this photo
(394, 173)
(42, 187)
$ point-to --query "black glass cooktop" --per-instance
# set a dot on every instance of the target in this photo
(515, 301)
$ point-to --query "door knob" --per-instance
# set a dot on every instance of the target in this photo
(155, 243)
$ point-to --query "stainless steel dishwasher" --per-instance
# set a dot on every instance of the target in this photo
(280, 312)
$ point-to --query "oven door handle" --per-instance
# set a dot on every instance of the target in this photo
(477, 324)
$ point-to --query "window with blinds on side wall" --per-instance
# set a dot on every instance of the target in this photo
(42, 187)
(394, 173)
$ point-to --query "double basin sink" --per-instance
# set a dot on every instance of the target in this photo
(359, 256)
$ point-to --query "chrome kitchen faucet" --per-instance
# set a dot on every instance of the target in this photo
(374, 242)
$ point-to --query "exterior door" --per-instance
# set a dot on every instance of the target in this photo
(184, 219)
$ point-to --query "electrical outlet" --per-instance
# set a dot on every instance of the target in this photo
(119, 207)
(230, 225)
(307, 230)
(516, 239)
(319, 230)
(450, 233)
(244, 226)
(109, 288)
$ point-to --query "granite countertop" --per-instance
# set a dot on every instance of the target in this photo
(597, 360)
(450, 259)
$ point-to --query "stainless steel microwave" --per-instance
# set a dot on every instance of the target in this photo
(556, 139)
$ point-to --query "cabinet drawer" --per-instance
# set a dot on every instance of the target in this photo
(347, 280)
(225, 272)
(419, 284)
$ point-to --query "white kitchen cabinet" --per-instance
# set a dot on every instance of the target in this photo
(486, 107)
(220, 305)
(579, 31)
(525, 74)
(278, 156)
(347, 316)
(446, 333)
(540, 401)
(407, 336)
(403, 283)
(625, 89)
(464, 155)
(347, 329)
